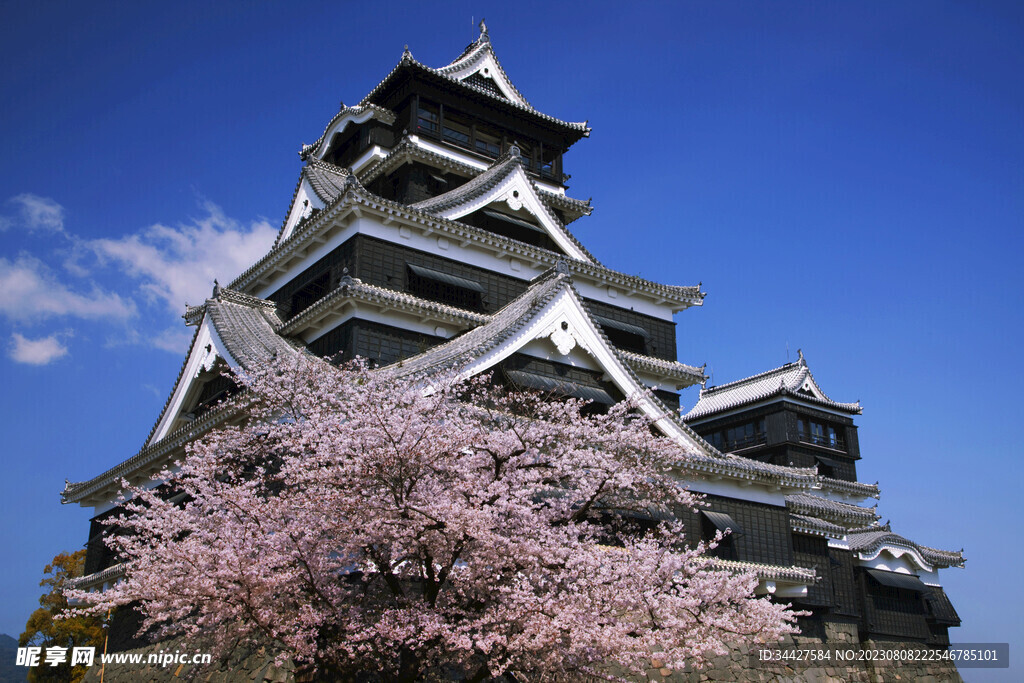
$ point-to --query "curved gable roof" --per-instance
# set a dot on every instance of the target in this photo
(506, 180)
(793, 379)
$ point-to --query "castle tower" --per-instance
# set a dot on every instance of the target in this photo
(429, 231)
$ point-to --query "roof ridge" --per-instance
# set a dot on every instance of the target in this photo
(408, 59)
(689, 294)
(761, 375)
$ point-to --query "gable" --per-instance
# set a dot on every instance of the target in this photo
(514, 195)
(206, 359)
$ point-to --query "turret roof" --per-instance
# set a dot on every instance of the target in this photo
(868, 540)
(792, 379)
(477, 60)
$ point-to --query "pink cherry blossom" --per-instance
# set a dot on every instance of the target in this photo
(360, 522)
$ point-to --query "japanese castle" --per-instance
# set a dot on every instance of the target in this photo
(429, 231)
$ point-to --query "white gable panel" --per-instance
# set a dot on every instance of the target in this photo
(303, 205)
(517, 192)
(205, 352)
(564, 324)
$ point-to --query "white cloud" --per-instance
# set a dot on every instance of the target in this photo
(41, 351)
(37, 213)
(174, 339)
(30, 290)
(178, 264)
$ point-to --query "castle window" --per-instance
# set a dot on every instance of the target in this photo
(455, 131)
(713, 522)
(740, 436)
(820, 433)
(624, 335)
(428, 120)
(445, 288)
(310, 293)
(488, 142)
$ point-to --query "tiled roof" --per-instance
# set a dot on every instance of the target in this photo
(854, 488)
(870, 539)
(249, 332)
(474, 53)
(816, 527)
(408, 61)
(792, 379)
(407, 149)
(353, 289)
(479, 186)
(514, 316)
(766, 572)
(356, 194)
(477, 342)
(97, 578)
(380, 113)
(326, 179)
(248, 328)
(659, 366)
(816, 506)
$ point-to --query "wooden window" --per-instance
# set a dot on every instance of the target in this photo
(487, 142)
(455, 130)
(428, 118)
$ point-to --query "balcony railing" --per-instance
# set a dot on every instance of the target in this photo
(465, 141)
(756, 439)
(835, 442)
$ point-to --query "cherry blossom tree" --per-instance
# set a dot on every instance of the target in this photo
(364, 523)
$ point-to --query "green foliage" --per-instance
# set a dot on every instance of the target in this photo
(43, 629)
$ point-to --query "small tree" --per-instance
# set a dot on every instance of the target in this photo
(44, 629)
(364, 523)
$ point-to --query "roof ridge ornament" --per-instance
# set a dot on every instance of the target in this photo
(801, 360)
(216, 289)
(484, 36)
(514, 151)
(407, 55)
(562, 267)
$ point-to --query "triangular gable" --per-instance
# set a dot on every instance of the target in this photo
(506, 182)
(320, 184)
(804, 384)
(480, 62)
(550, 313)
(235, 330)
(203, 356)
(303, 205)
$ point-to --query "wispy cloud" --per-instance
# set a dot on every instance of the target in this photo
(173, 339)
(32, 291)
(36, 214)
(176, 265)
(162, 265)
(41, 351)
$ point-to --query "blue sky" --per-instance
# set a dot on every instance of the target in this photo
(844, 178)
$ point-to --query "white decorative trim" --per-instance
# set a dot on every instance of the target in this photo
(518, 192)
(207, 348)
(897, 553)
(566, 308)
